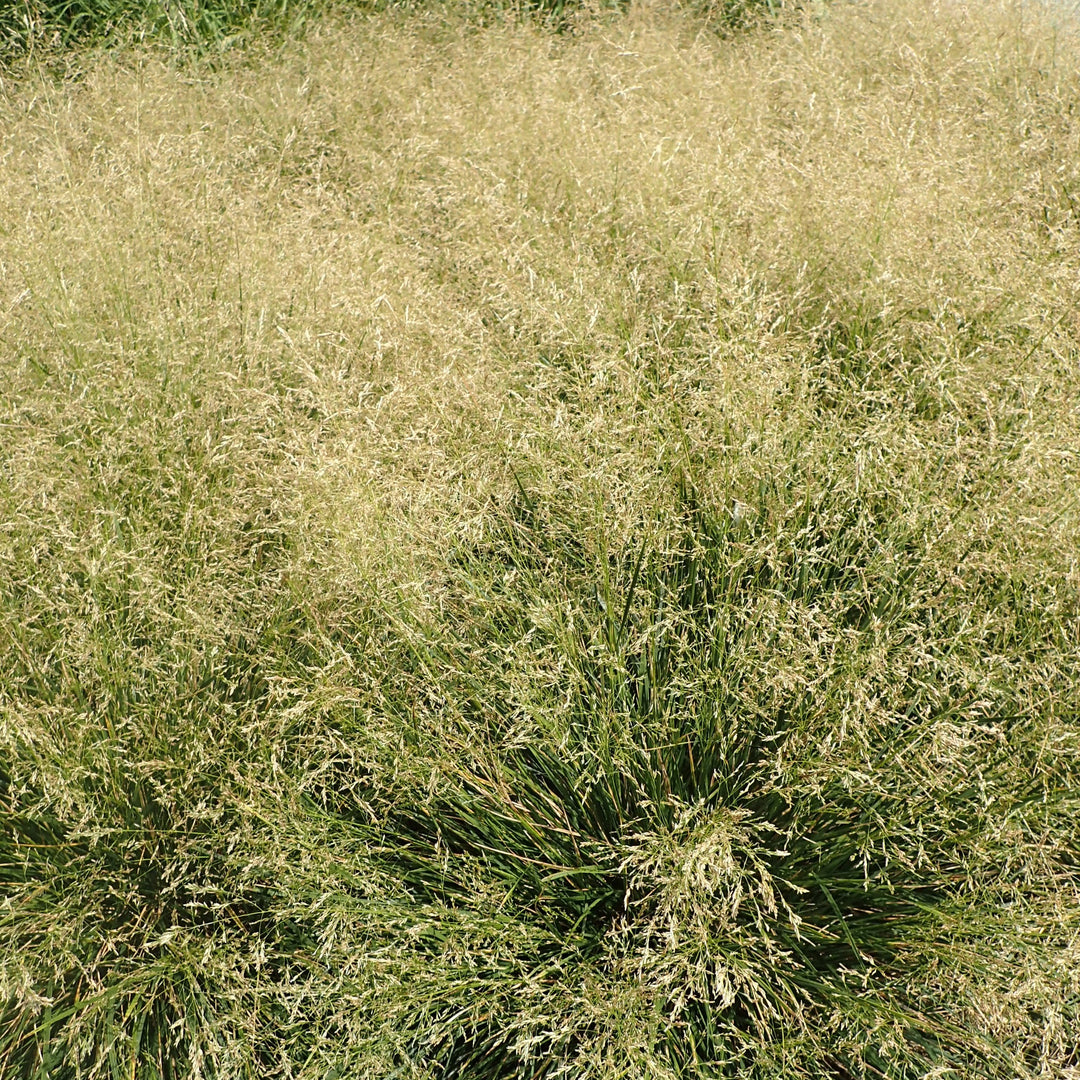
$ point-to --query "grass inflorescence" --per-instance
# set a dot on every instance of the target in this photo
(530, 555)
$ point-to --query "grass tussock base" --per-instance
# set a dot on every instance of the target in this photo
(528, 556)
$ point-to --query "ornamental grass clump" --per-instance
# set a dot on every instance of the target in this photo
(670, 859)
(136, 681)
(531, 555)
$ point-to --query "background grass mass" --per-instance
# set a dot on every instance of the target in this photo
(531, 555)
(207, 26)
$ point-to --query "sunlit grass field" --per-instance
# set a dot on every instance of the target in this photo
(532, 554)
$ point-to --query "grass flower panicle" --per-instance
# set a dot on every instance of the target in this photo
(532, 554)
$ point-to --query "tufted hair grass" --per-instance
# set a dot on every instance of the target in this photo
(531, 555)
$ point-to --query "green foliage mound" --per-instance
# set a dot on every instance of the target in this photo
(27, 25)
(673, 850)
(38, 24)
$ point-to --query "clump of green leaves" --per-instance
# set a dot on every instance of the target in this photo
(734, 14)
(673, 857)
(176, 22)
(204, 24)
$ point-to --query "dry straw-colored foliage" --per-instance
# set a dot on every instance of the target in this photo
(286, 343)
(403, 218)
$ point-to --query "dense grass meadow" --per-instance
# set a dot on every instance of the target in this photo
(535, 552)
(207, 26)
